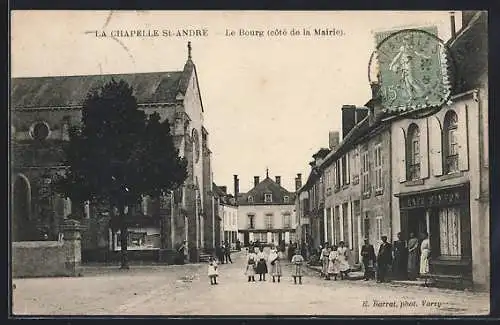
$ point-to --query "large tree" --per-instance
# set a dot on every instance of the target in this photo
(118, 154)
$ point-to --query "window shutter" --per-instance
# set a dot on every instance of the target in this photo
(348, 165)
(435, 147)
(462, 139)
(399, 149)
(424, 150)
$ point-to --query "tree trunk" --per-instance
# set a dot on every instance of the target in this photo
(123, 239)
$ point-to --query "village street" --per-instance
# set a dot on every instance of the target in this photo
(186, 290)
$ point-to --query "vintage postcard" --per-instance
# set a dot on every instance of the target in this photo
(249, 163)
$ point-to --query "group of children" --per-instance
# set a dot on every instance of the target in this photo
(335, 261)
(257, 264)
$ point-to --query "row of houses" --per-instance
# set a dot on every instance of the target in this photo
(411, 171)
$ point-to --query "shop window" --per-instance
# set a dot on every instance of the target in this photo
(138, 240)
(262, 237)
(450, 142)
(413, 153)
(449, 233)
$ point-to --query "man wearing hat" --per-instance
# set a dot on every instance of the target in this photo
(368, 259)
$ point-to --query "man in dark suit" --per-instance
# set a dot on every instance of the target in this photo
(368, 259)
(384, 259)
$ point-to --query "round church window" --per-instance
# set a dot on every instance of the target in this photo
(40, 131)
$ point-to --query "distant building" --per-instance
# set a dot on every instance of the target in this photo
(228, 212)
(266, 213)
(44, 108)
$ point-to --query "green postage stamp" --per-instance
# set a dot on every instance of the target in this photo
(413, 69)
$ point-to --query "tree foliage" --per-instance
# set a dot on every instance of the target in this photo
(118, 153)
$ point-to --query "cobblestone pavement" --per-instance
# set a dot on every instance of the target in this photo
(186, 290)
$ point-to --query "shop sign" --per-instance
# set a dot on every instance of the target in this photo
(435, 199)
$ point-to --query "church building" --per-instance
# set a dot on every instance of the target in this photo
(42, 110)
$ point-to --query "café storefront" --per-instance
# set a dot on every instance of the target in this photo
(444, 214)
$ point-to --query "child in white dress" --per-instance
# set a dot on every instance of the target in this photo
(297, 261)
(213, 271)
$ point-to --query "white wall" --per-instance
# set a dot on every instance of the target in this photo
(260, 212)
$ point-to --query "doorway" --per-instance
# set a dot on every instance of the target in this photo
(21, 209)
(416, 222)
(246, 238)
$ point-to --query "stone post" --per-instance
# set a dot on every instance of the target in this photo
(72, 245)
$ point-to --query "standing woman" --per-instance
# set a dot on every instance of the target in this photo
(400, 258)
(412, 257)
(261, 264)
(251, 262)
(333, 263)
(325, 253)
(343, 262)
(425, 249)
(275, 259)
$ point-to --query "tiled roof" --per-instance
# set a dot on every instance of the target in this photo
(37, 92)
(267, 186)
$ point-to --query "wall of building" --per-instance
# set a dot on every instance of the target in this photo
(260, 212)
(376, 205)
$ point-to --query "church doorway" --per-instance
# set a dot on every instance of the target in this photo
(20, 219)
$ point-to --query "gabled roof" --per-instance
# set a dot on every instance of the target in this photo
(67, 91)
(266, 186)
(71, 91)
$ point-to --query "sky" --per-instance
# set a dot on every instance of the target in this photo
(269, 102)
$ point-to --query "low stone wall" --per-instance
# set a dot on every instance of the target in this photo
(49, 258)
(38, 259)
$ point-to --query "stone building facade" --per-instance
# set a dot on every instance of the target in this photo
(266, 213)
(44, 108)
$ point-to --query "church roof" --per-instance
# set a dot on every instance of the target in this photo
(67, 91)
(267, 186)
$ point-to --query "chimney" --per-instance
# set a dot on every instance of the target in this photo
(298, 182)
(361, 113)
(236, 187)
(333, 140)
(278, 180)
(453, 25)
(255, 180)
(348, 119)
